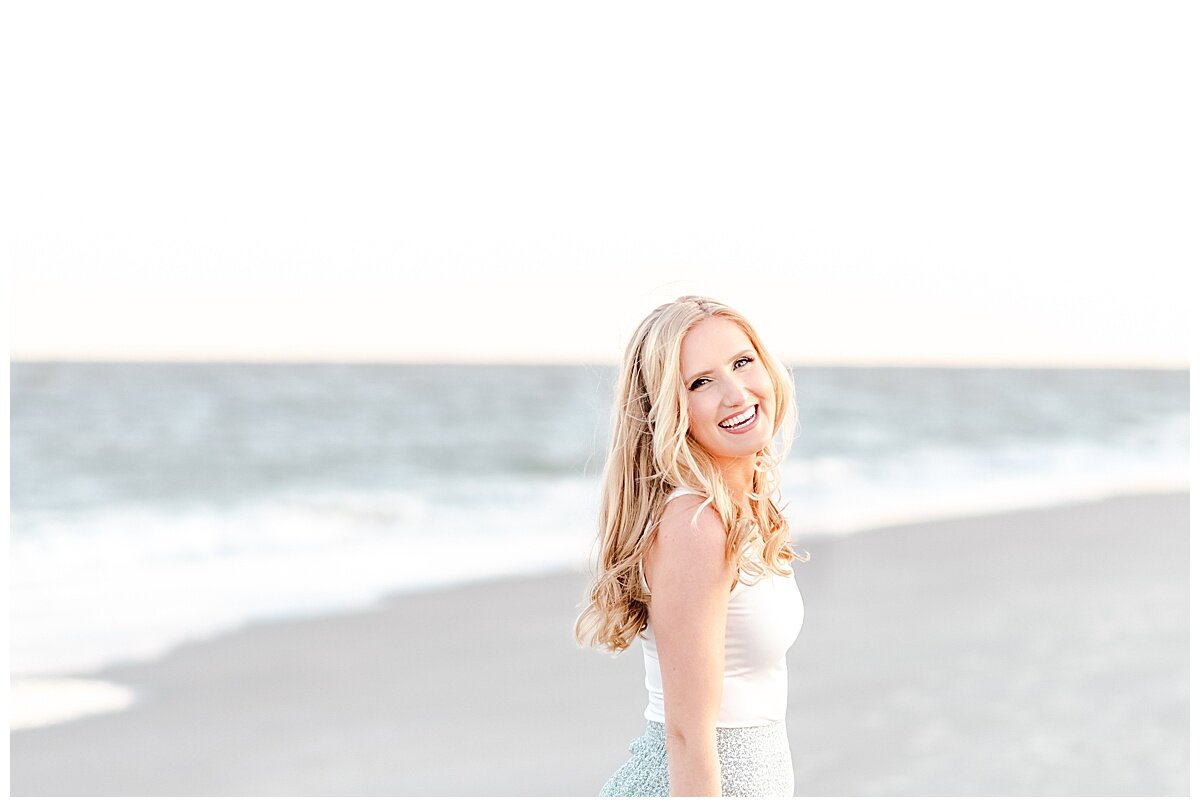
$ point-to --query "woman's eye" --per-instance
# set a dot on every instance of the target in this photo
(736, 366)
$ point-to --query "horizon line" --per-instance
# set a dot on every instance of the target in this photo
(914, 362)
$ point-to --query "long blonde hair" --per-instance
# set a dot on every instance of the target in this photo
(651, 453)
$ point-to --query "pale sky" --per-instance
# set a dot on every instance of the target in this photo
(871, 183)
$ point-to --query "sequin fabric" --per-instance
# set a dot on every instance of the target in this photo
(755, 761)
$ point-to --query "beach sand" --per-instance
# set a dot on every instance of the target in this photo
(1037, 652)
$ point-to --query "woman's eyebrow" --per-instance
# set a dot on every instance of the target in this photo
(731, 358)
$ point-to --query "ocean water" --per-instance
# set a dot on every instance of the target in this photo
(157, 503)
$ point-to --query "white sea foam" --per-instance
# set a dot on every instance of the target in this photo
(834, 495)
(35, 702)
(128, 585)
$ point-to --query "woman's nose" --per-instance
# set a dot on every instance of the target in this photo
(735, 394)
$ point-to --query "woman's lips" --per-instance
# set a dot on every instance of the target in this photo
(743, 427)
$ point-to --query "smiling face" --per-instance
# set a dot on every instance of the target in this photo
(725, 377)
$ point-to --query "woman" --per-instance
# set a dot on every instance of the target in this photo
(687, 513)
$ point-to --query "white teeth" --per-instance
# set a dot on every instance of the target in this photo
(738, 419)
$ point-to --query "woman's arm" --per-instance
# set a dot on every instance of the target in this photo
(690, 594)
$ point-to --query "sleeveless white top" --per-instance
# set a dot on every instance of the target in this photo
(762, 621)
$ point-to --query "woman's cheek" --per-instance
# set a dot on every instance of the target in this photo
(763, 383)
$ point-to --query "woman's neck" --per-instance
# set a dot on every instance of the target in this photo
(738, 473)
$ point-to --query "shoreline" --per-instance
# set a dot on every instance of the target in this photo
(55, 639)
(95, 671)
(478, 689)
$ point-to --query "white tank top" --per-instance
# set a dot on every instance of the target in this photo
(762, 621)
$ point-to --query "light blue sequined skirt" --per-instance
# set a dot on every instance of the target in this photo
(755, 761)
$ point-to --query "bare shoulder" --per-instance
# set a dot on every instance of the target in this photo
(676, 523)
(683, 550)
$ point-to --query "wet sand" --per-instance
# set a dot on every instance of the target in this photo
(1037, 652)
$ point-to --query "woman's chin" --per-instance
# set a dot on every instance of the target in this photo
(746, 449)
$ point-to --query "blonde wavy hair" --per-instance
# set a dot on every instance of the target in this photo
(651, 453)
